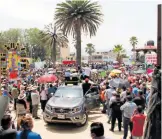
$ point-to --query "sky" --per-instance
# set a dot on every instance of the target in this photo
(122, 19)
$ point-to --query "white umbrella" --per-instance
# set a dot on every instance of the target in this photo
(94, 70)
(51, 72)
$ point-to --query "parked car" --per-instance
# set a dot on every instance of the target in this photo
(69, 105)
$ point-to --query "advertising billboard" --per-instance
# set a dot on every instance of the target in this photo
(151, 58)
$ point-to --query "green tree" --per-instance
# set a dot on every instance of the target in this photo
(90, 49)
(75, 17)
(120, 51)
(54, 38)
(34, 44)
(10, 36)
(133, 41)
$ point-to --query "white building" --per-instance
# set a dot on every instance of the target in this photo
(106, 56)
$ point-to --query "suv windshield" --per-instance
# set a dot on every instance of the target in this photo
(69, 92)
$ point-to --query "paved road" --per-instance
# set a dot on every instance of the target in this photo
(69, 131)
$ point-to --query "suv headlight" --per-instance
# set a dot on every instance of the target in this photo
(76, 109)
(48, 107)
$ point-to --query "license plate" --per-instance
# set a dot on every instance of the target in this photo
(70, 78)
(61, 116)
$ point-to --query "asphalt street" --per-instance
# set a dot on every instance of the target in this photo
(70, 131)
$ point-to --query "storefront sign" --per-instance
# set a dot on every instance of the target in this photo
(151, 58)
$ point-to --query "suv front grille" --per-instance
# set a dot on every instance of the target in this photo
(62, 110)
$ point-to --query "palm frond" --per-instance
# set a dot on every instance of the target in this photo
(84, 12)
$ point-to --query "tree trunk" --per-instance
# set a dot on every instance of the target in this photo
(54, 51)
(78, 43)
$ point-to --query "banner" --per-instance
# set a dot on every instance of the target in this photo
(13, 61)
(151, 58)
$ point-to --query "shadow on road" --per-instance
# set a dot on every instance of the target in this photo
(65, 128)
(94, 118)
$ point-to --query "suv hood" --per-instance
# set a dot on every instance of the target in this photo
(65, 102)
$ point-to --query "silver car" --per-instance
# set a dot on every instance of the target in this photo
(69, 105)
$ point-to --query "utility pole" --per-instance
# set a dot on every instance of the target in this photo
(159, 40)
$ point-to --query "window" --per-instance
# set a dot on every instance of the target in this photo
(69, 92)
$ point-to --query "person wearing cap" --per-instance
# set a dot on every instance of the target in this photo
(21, 105)
(128, 109)
(86, 86)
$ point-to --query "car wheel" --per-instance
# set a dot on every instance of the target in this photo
(84, 120)
(46, 121)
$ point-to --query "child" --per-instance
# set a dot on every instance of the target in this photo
(138, 120)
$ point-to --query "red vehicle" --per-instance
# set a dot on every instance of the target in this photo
(68, 62)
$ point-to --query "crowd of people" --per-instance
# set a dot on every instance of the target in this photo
(127, 104)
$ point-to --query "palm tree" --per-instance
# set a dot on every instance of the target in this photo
(90, 49)
(54, 38)
(119, 50)
(77, 16)
(133, 40)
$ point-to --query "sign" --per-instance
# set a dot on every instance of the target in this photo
(68, 62)
(13, 60)
(151, 58)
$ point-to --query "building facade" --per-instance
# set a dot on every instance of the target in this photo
(106, 56)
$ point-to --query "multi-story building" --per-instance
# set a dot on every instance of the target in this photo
(63, 53)
(106, 56)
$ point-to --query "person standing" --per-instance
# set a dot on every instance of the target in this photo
(116, 113)
(35, 102)
(43, 97)
(87, 72)
(135, 90)
(21, 105)
(108, 94)
(128, 109)
(112, 99)
(140, 99)
(138, 123)
(14, 93)
(86, 86)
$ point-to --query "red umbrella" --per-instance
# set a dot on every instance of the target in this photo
(47, 78)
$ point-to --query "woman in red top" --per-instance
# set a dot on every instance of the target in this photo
(138, 120)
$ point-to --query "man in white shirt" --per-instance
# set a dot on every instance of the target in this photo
(87, 72)
(123, 94)
(35, 102)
